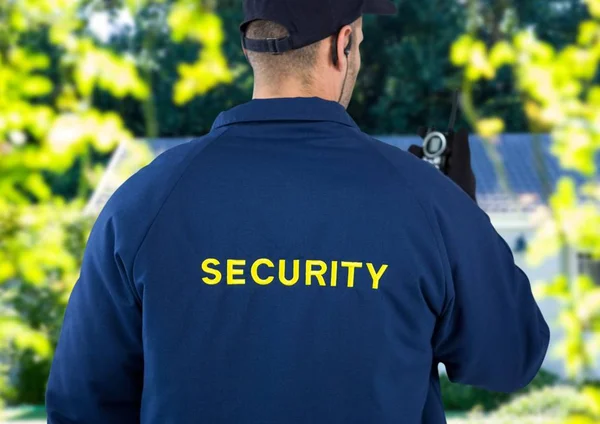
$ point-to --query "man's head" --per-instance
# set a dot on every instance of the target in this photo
(301, 48)
(309, 70)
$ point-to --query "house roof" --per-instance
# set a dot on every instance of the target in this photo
(531, 171)
(518, 153)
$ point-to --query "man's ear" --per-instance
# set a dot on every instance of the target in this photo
(341, 42)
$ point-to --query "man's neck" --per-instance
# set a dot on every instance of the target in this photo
(290, 91)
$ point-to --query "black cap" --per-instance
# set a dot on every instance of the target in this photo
(307, 21)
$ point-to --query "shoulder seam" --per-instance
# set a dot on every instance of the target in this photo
(420, 203)
(162, 204)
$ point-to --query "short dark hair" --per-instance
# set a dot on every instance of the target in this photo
(298, 62)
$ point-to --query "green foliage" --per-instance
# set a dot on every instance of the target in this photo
(561, 95)
(591, 413)
(162, 57)
(548, 405)
(62, 111)
(405, 81)
(40, 254)
(555, 404)
(555, 401)
(51, 69)
(459, 397)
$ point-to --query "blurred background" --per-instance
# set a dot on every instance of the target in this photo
(91, 91)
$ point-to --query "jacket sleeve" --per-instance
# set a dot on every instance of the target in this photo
(491, 333)
(96, 375)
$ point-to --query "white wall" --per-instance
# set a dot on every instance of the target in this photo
(510, 228)
(549, 307)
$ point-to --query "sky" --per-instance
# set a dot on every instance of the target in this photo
(101, 26)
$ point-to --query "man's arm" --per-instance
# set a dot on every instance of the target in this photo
(97, 372)
(491, 333)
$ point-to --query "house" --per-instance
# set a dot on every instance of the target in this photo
(531, 175)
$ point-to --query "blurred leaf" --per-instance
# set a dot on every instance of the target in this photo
(565, 195)
(38, 187)
(594, 7)
(461, 50)
(592, 398)
(580, 63)
(547, 404)
(479, 65)
(12, 330)
(502, 54)
(102, 68)
(490, 127)
(580, 419)
(589, 305)
(588, 32)
(559, 288)
(198, 78)
(545, 243)
(36, 86)
(592, 189)
(7, 271)
(71, 132)
(190, 20)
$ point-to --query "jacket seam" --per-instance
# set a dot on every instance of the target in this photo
(422, 207)
(163, 203)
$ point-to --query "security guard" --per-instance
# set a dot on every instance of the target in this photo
(288, 268)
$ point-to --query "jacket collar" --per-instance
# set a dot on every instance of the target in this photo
(285, 109)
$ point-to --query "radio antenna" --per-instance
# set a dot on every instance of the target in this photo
(455, 100)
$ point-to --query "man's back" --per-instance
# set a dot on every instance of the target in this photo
(287, 268)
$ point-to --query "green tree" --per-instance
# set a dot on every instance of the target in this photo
(406, 79)
(51, 69)
(175, 119)
(560, 95)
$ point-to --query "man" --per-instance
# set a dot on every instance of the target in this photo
(287, 268)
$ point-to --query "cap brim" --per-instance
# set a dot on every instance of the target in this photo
(379, 7)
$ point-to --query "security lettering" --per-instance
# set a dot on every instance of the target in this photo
(264, 272)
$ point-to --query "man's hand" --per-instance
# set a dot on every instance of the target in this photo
(458, 168)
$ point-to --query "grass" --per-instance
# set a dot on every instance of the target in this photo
(34, 414)
(37, 415)
(24, 414)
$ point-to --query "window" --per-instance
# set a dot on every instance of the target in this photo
(586, 264)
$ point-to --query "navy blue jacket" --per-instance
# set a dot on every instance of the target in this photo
(287, 268)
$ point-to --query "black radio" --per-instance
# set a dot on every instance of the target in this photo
(437, 144)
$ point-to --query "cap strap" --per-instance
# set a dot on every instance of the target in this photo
(270, 45)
